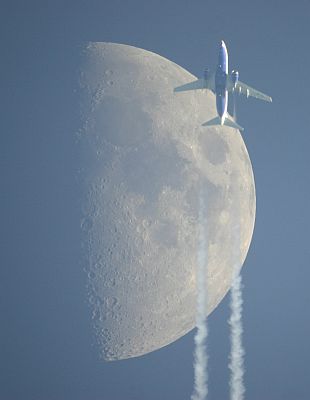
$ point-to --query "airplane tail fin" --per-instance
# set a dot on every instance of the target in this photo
(227, 122)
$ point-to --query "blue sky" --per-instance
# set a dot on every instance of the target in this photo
(47, 349)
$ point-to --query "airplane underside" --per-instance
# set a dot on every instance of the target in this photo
(221, 83)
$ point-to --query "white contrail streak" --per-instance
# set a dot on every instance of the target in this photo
(236, 364)
(200, 355)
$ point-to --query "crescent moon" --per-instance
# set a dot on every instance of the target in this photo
(145, 154)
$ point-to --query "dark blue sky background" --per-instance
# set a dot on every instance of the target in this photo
(47, 348)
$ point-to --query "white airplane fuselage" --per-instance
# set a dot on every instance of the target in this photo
(221, 75)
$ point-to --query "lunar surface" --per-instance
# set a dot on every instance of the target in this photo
(145, 159)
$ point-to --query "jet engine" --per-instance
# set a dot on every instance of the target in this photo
(234, 78)
(206, 73)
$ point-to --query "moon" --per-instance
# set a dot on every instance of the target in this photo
(144, 158)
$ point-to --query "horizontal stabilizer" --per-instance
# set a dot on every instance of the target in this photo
(227, 122)
(214, 121)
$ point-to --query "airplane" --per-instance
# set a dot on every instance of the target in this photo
(221, 83)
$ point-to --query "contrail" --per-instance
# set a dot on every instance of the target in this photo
(200, 355)
(236, 364)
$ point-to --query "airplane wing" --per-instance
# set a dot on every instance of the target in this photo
(248, 91)
(198, 84)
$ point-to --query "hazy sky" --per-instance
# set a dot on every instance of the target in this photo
(47, 350)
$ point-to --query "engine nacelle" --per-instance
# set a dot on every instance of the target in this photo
(206, 73)
(234, 78)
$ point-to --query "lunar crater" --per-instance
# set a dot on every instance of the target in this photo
(214, 147)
